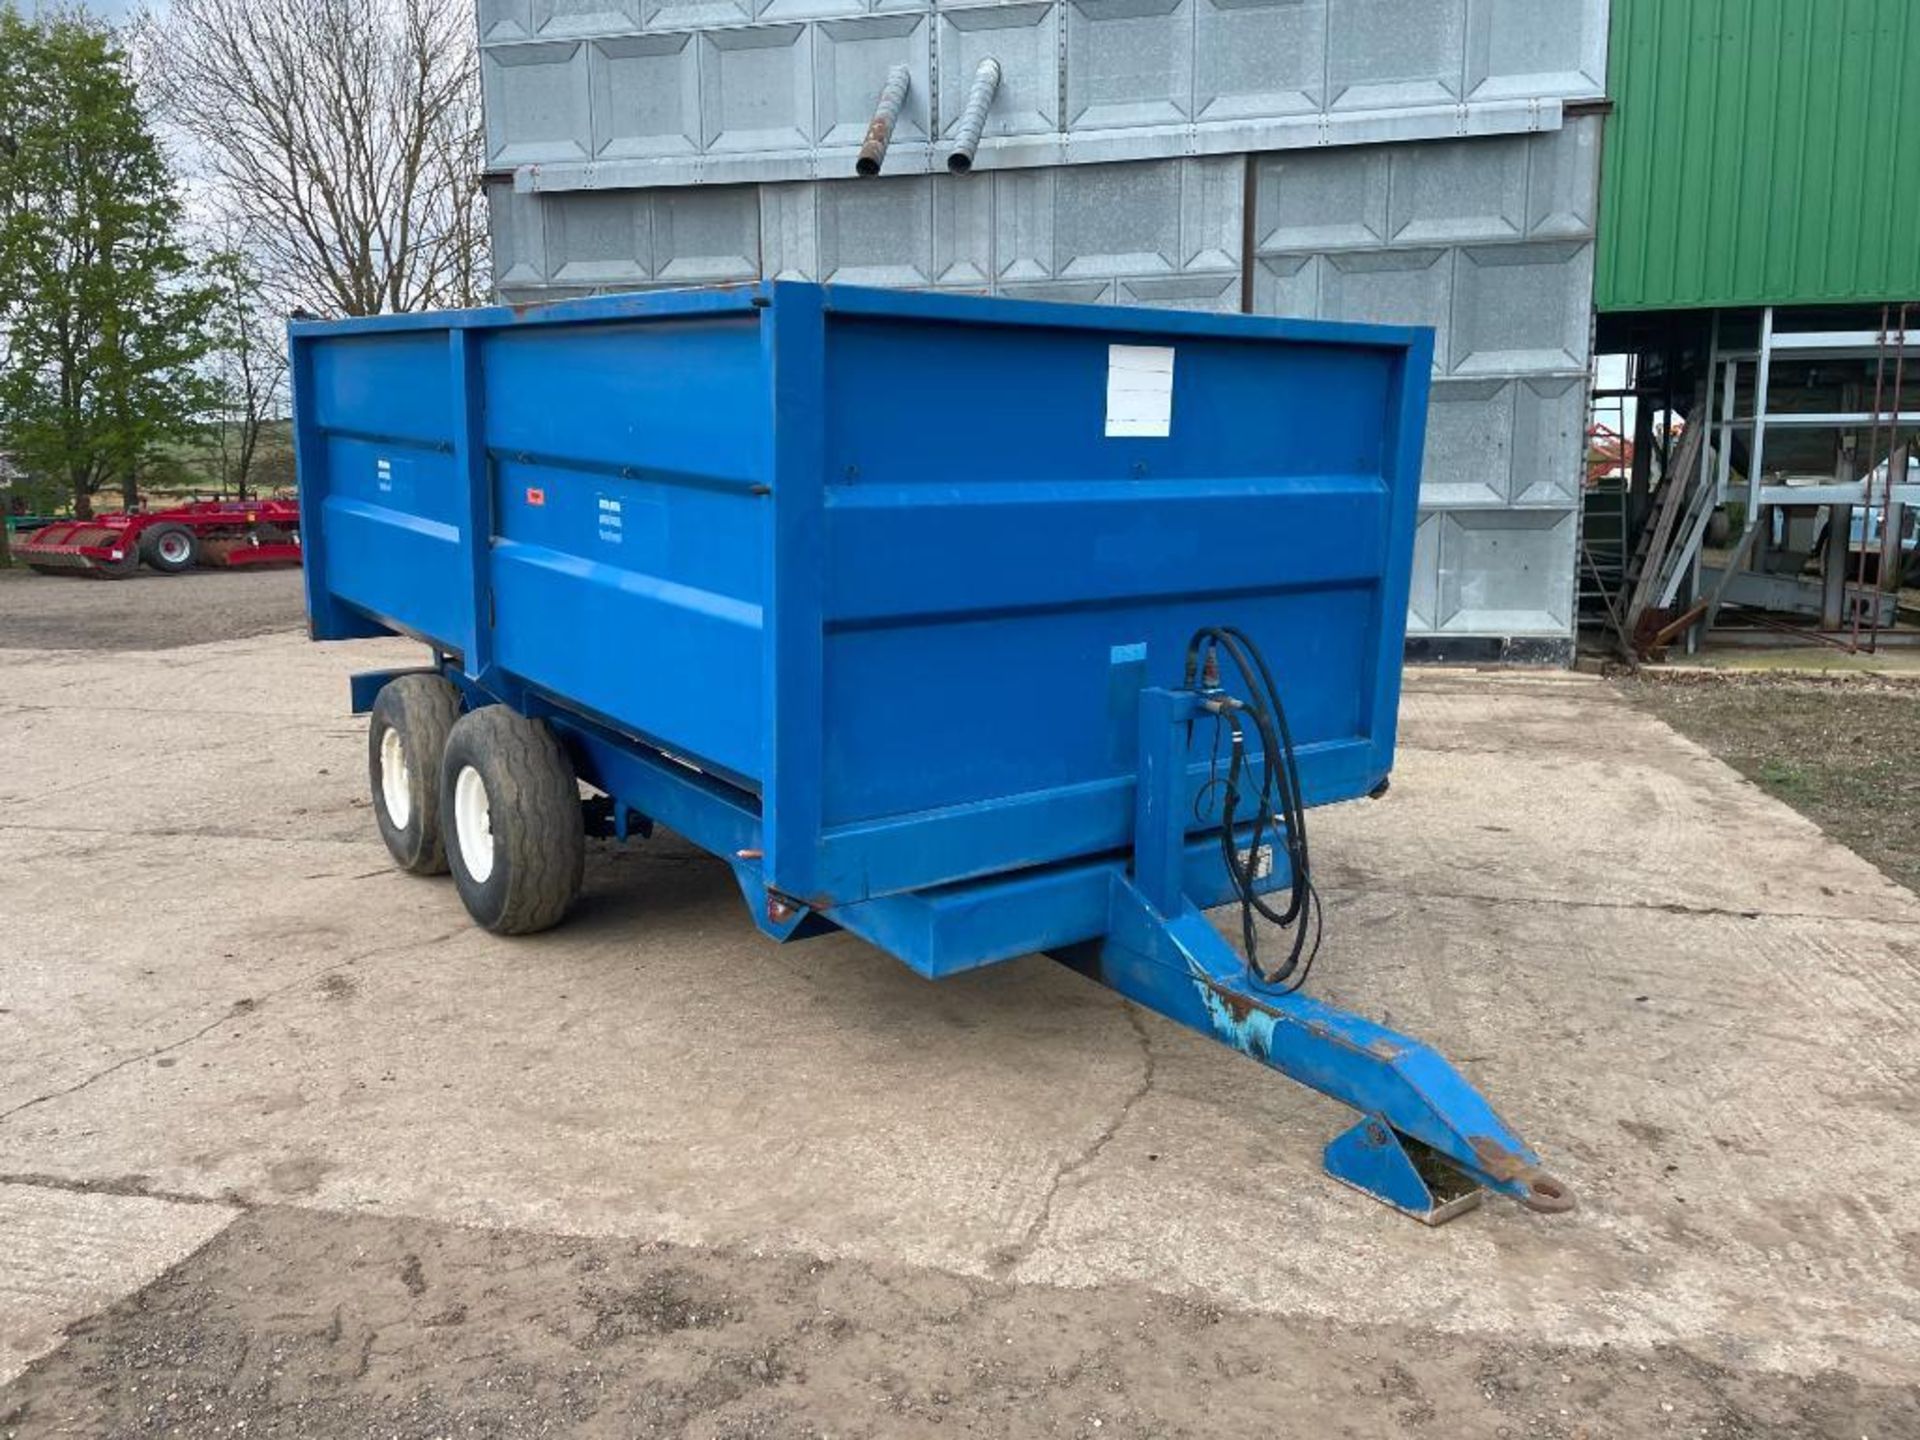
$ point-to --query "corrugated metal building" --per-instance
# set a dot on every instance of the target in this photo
(1764, 152)
(1426, 161)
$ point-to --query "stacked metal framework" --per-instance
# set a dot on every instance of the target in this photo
(1408, 161)
(1838, 478)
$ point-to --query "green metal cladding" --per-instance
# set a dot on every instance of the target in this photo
(1761, 152)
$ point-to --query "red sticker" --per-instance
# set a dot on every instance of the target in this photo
(536, 497)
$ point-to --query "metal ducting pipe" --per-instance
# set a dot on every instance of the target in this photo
(873, 150)
(973, 119)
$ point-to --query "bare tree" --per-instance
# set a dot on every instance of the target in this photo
(342, 137)
(248, 366)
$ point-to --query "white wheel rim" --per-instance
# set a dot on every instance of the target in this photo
(396, 787)
(173, 548)
(473, 824)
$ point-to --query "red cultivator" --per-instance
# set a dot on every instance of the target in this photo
(207, 532)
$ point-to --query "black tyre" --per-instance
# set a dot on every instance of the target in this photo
(121, 569)
(406, 737)
(170, 549)
(510, 809)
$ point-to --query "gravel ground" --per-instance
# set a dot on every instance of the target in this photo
(298, 1323)
(1838, 749)
(147, 611)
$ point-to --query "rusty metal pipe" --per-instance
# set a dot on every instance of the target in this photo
(973, 118)
(873, 150)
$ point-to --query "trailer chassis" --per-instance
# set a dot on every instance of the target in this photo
(1427, 1144)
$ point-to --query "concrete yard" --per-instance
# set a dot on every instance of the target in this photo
(291, 1144)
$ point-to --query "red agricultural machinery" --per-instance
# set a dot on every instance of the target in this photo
(206, 532)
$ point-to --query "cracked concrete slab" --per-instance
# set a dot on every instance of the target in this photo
(656, 1065)
(113, 961)
(1010, 1260)
(1698, 1008)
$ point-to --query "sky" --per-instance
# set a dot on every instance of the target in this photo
(115, 10)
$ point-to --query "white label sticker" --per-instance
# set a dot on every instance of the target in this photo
(612, 520)
(1140, 390)
(1261, 864)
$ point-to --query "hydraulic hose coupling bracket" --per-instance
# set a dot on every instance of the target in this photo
(1277, 823)
(973, 117)
(886, 114)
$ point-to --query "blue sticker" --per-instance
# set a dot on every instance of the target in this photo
(1126, 678)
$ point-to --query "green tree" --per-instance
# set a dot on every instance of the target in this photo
(6, 509)
(104, 316)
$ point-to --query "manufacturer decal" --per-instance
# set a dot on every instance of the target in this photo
(612, 521)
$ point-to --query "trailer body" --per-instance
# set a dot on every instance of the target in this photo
(887, 600)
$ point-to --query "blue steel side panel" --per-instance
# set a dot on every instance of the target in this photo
(393, 387)
(378, 474)
(1002, 576)
(574, 499)
(631, 520)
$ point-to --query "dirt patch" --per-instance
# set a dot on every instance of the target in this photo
(303, 1323)
(147, 611)
(1837, 749)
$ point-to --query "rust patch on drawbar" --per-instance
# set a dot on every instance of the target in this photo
(1540, 1190)
(1238, 1005)
(1498, 1161)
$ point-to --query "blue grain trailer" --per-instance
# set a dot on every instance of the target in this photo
(973, 627)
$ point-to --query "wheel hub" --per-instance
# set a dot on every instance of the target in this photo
(396, 788)
(473, 824)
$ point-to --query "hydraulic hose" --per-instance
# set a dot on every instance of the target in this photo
(1280, 798)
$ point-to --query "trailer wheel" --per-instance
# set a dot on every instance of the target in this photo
(170, 549)
(510, 807)
(406, 736)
